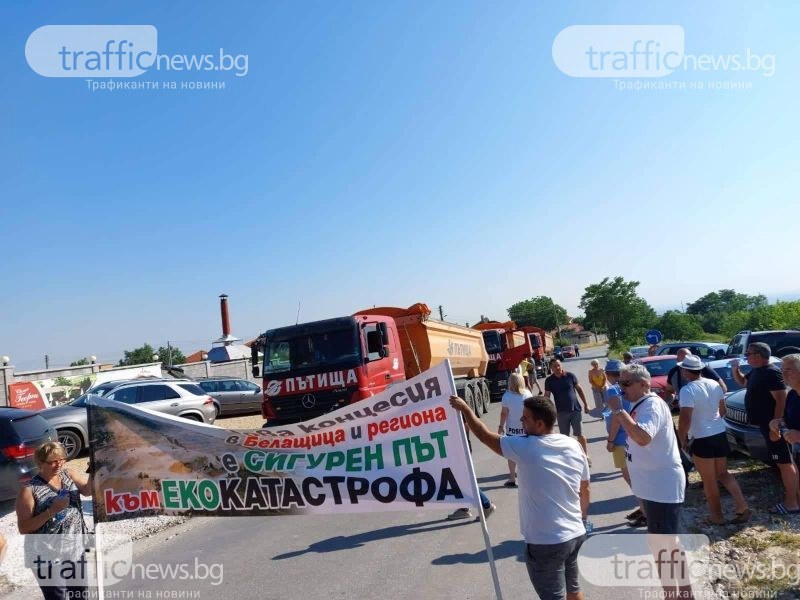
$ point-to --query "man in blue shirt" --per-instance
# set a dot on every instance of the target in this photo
(565, 389)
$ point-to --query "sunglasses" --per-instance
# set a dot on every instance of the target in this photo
(626, 383)
(57, 461)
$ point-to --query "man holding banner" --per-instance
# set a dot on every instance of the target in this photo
(553, 494)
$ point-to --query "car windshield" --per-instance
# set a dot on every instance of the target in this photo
(80, 401)
(311, 350)
(492, 341)
(657, 368)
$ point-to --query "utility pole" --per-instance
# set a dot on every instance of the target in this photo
(169, 354)
(555, 316)
(46, 361)
(441, 313)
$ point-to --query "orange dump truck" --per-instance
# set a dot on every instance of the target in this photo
(313, 368)
(507, 346)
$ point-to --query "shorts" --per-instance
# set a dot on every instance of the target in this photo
(553, 568)
(662, 517)
(620, 460)
(777, 451)
(713, 446)
(567, 419)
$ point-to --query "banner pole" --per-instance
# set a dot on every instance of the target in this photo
(477, 492)
(98, 546)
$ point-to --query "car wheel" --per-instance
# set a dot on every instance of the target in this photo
(72, 443)
(193, 418)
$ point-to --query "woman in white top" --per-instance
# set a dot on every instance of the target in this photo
(702, 408)
(511, 417)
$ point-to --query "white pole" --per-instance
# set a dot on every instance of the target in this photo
(98, 561)
(476, 491)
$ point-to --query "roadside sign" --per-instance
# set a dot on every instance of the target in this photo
(653, 336)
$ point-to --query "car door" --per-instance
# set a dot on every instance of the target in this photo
(250, 395)
(159, 397)
(229, 396)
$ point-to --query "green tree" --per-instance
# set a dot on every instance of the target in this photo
(145, 353)
(614, 306)
(80, 362)
(679, 326)
(540, 311)
(138, 356)
(715, 306)
(177, 357)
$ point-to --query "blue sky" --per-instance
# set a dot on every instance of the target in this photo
(383, 154)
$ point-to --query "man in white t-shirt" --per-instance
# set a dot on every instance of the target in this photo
(553, 494)
(654, 464)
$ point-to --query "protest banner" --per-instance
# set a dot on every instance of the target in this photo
(399, 450)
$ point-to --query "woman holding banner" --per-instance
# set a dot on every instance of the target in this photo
(49, 515)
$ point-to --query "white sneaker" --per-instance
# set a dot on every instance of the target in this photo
(461, 513)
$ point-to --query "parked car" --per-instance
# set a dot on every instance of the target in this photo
(742, 435)
(232, 396)
(568, 351)
(705, 350)
(658, 367)
(21, 433)
(781, 342)
(558, 352)
(183, 398)
(638, 351)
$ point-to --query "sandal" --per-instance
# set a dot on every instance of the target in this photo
(640, 522)
(742, 517)
(510, 484)
(780, 509)
(634, 515)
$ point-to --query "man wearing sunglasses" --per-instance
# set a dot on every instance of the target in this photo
(764, 401)
(654, 464)
(657, 476)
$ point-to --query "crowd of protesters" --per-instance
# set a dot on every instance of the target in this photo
(646, 448)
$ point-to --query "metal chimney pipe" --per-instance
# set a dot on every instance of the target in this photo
(226, 320)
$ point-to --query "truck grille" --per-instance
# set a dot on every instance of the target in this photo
(292, 408)
(736, 415)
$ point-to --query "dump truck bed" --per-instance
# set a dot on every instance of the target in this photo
(426, 342)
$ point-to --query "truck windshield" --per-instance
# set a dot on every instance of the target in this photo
(313, 349)
(534, 340)
(493, 342)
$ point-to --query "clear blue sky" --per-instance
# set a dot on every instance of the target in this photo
(383, 154)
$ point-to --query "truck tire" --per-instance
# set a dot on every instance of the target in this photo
(469, 398)
(480, 402)
(487, 399)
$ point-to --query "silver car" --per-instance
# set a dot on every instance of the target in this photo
(182, 398)
(232, 396)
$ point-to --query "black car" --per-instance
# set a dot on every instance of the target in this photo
(743, 436)
(781, 342)
(21, 433)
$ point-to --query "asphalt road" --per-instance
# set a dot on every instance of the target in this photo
(404, 555)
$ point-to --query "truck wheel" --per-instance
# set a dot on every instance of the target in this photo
(487, 398)
(469, 398)
(480, 403)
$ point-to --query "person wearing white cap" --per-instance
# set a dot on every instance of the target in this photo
(702, 407)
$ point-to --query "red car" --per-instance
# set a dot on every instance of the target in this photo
(658, 367)
(568, 352)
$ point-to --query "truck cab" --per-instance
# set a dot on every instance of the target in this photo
(313, 368)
